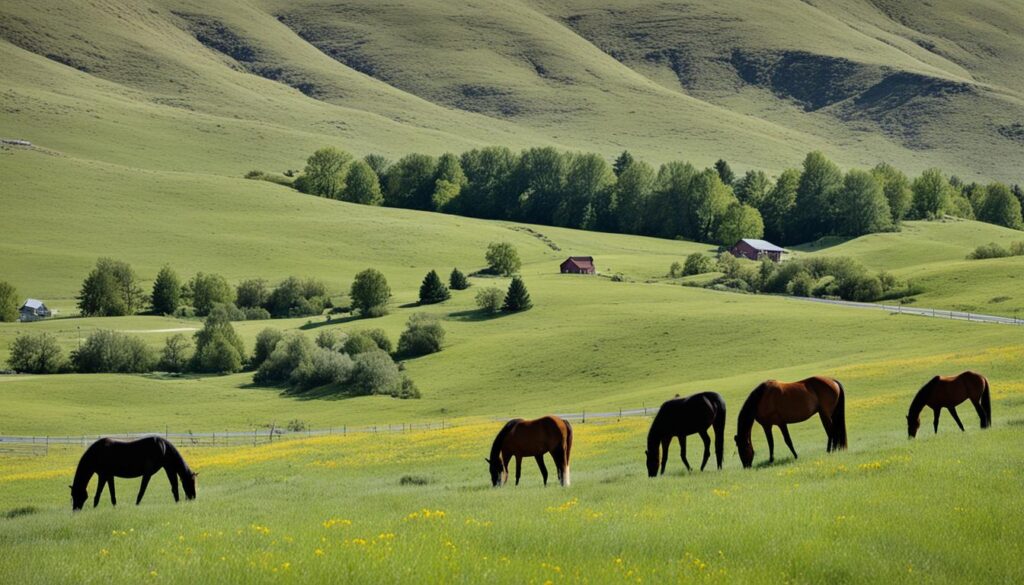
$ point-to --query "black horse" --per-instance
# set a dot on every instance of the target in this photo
(141, 458)
(685, 416)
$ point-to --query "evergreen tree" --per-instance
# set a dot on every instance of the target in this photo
(448, 182)
(517, 298)
(433, 290)
(1018, 192)
(724, 172)
(362, 185)
(623, 162)
(457, 280)
(815, 198)
(9, 307)
(166, 292)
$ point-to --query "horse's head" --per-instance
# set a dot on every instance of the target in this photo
(78, 498)
(746, 450)
(652, 463)
(498, 474)
(913, 423)
(188, 481)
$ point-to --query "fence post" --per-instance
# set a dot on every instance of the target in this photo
(584, 416)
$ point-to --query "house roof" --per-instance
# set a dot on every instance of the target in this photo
(762, 245)
(581, 261)
(33, 304)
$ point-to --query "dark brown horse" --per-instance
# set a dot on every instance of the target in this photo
(783, 403)
(108, 459)
(947, 392)
(531, 438)
(680, 417)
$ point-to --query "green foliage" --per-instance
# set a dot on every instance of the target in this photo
(330, 339)
(705, 205)
(423, 335)
(457, 280)
(218, 347)
(675, 270)
(1000, 207)
(432, 290)
(370, 293)
(777, 209)
(753, 188)
(9, 303)
(113, 352)
(502, 258)
(320, 367)
(517, 298)
(489, 299)
(362, 185)
(729, 265)
(489, 190)
(815, 197)
(266, 342)
(448, 182)
(896, 188)
(206, 290)
(255, 313)
(290, 351)
(739, 221)
(633, 191)
(410, 182)
(166, 292)
(698, 263)
(325, 172)
(724, 172)
(622, 162)
(994, 250)
(111, 289)
(176, 354)
(253, 292)
(589, 204)
(36, 353)
(295, 297)
(931, 195)
(375, 372)
(379, 164)
(366, 340)
(862, 207)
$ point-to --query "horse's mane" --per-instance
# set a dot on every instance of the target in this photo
(85, 469)
(172, 454)
(917, 405)
(749, 410)
(496, 447)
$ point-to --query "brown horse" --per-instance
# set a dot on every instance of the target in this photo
(783, 403)
(947, 392)
(531, 438)
(141, 458)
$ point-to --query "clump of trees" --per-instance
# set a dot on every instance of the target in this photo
(113, 352)
(111, 289)
(676, 200)
(423, 335)
(994, 250)
(37, 353)
(9, 308)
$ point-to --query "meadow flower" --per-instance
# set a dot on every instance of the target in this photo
(332, 522)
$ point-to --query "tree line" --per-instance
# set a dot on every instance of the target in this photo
(677, 200)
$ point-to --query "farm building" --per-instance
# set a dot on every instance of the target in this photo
(755, 249)
(33, 310)
(578, 265)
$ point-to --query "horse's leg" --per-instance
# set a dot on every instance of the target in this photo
(142, 488)
(977, 407)
(707, 448)
(519, 467)
(936, 411)
(789, 442)
(113, 498)
(558, 455)
(826, 423)
(173, 478)
(771, 442)
(682, 447)
(99, 491)
(664, 453)
(543, 469)
(956, 418)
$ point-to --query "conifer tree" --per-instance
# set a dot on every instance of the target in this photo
(517, 298)
(457, 280)
(433, 290)
(166, 292)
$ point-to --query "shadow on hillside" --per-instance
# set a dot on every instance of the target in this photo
(822, 244)
(331, 321)
(476, 315)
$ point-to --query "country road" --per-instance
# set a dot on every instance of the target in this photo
(924, 312)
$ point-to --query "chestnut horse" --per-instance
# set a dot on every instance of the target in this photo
(531, 438)
(947, 392)
(783, 403)
(141, 458)
(685, 416)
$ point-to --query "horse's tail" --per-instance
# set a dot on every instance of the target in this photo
(986, 405)
(568, 453)
(839, 419)
(719, 425)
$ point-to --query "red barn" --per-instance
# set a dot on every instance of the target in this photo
(578, 265)
(756, 249)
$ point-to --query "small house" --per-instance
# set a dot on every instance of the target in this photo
(578, 265)
(33, 310)
(757, 249)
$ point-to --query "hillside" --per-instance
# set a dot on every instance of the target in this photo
(180, 85)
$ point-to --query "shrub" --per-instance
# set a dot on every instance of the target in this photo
(502, 258)
(207, 290)
(252, 293)
(408, 389)
(728, 264)
(296, 425)
(1017, 248)
(986, 251)
(266, 341)
(375, 373)
(457, 280)
(802, 285)
(321, 367)
(367, 340)
(176, 354)
(256, 314)
(233, 313)
(489, 299)
(295, 297)
(423, 335)
(9, 308)
(698, 263)
(218, 347)
(113, 352)
(288, 354)
(36, 353)
(432, 290)
(517, 298)
(329, 339)
(166, 296)
(370, 293)
(675, 270)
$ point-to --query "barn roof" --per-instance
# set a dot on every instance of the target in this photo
(581, 261)
(33, 304)
(762, 245)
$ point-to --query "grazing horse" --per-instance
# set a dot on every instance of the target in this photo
(783, 403)
(531, 438)
(144, 457)
(947, 392)
(680, 417)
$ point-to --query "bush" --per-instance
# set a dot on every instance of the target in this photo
(329, 339)
(423, 335)
(502, 258)
(728, 265)
(457, 280)
(252, 293)
(266, 341)
(36, 353)
(233, 313)
(433, 290)
(675, 270)
(408, 389)
(296, 425)
(294, 297)
(489, 299)
(288, 354)
(986, 251)
(1017, 248)
(367, 340)
(113, 352)
(517, 298)
(9, 307)
(218, 347)
(375, 373)
(698, 263)
(256, 314)
(321, 367)
(370, 293)
(176, 354)
(802, 285)
(207, 290)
